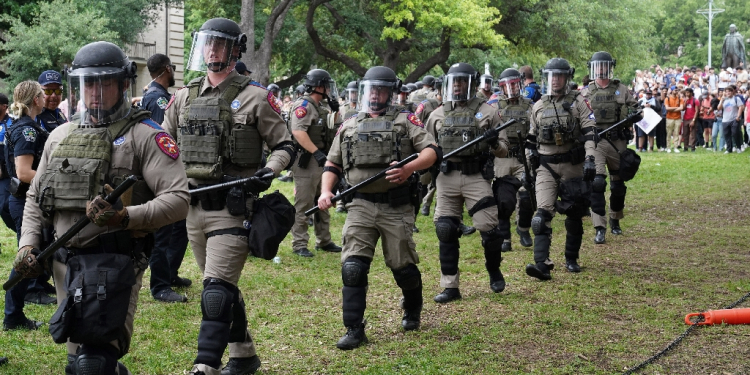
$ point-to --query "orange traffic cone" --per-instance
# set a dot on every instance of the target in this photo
(726, 316)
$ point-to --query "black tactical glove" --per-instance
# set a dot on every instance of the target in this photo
(490, 136)
(589, 168)
(534, 160)
(334, 104)
(257, 184)
(26, 263)
(635, 117)
(320, 157)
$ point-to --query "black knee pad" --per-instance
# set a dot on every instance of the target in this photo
(447, 229)
(539, 222)
(408, 278)
(238, 330)
(505, 190)
(574, 226)
(599, 185)
(354, 271)
(492, 240)
(217, 300)
(598, 204)
(96, 360)
(524, 201)
(449, 253)
(484, 203)
(618, 190)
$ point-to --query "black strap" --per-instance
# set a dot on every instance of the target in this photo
(233, 231)
(101, 296)
(547, 167)
(483, 203)
(373, 197)
(556, 159)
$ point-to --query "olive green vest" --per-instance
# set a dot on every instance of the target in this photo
(461, 127)
(607, 110)
(377, 142)
(518, 111)
(321, 132)
(556, 125)
(79, 167)
(209, 138)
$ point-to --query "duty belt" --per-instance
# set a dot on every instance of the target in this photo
(466, 168)
(556, 159)
(373, 197)
(115, 243)
(395, 197)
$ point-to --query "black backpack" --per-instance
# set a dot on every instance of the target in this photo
(273, 218)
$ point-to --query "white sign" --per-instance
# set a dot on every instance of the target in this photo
(650, 120)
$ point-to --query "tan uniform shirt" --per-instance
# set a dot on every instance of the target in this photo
(486, 116)
(256, 106)
(580, 110)
(140, 155)
(414, 128)
(305, 113)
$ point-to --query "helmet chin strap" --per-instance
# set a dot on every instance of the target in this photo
(217, 66)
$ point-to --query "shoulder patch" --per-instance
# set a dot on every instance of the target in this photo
(167, 145)
(162, 102)
(256, 84)
(492, 101)
(585, 100)
(420, 108)
(152, 124)
(273, 102)
(301, 111)
(478, 115)
(29, 134)
(414, 119)
(171, 100)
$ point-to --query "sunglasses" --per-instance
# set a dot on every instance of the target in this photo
(51, 91)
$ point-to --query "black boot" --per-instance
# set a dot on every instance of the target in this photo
(497, 282)
(411, 318)
(524, 238)
(447, 295)
(571, 264)
(354, 337)
(599, 237)
(69, 370)
(539, 270)
(506, 247)
(615, 225)
(241, 366)
(467, 230)
(573, 239)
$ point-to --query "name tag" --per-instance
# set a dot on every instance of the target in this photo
(373, 126)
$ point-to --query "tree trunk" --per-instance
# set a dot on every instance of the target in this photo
(258, 60)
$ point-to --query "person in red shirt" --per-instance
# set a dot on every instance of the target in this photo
(691, 107)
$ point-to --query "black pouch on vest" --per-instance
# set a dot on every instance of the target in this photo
(99, 288)
(577, 155)
(273, 218)
(444, 167)
(399, 196)
(488, 169)
(236, 201)
(629, 164)
(18, 188)
(304, 159)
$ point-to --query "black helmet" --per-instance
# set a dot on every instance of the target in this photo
(557, 67)
(438, 83)
(351, 92)
(511, 82)
(222, 34)
(317, 78)
(601, 65)
(377, 79)
(94, 63)
(300, 90)
(412, 87)
(428, 80)
(275, 89)
(460, 84)
(351, 85)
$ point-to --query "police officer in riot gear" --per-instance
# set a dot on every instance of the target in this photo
(509, 170)
(558, 123)
(466, 178)
(427, 91)
(275, 90)
(237, 116)
(313, 134)
(611, 102)
(350, 95)
(485, 87)
(117, 141)
(299, 91)
(382, 209)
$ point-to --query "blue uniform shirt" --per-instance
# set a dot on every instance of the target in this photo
(156, 100)
(49, 120)
(26, 138)
(4, 125)
(533, 91)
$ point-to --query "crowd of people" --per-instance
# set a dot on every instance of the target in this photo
(472, 143)
(700, 108)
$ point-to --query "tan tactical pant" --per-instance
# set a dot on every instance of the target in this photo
(368, 222)
(546, 185)
(307, 182)
(607, 158)
(221, 257)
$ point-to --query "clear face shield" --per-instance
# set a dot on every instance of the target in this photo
(375, 96)
(557, 81)
(601, 69)
(511, 87)
(352, 95)
(211, 51)
(401, 98)
(459, 87)
(486, 84)
(102, 98)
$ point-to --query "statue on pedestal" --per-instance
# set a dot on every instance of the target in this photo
(733, 50)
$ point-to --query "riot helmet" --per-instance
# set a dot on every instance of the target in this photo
(321, 78)
(460, 84)
(485, 82)
(351, 92)
(601, 65)
(412, 87)
(402, 98)
(216, 45)
(438, 84)
(100, 77)
(510, 82)
(275, 89)
(557, 74)
(377, 88)
(428, 80)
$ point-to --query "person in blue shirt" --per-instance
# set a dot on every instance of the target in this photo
(23, 152)
(531, 89)
(5, 121)
(170, 241)
(51, 115)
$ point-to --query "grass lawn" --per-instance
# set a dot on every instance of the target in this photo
(684, 250)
